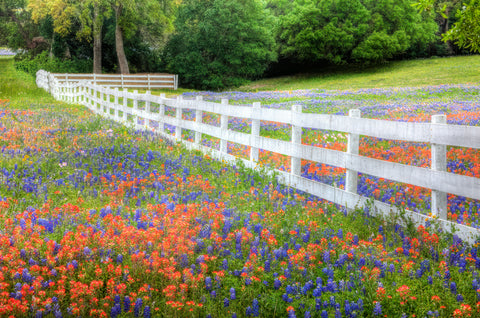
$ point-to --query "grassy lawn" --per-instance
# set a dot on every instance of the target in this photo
(19, 87)
(422, 72)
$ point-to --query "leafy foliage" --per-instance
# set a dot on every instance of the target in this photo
(466, 30)
(341, 31)
(31, 65)
(219, 44)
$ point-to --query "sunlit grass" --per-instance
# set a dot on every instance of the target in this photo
(421, 72)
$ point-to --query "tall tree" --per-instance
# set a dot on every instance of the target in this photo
(90, 13)
(444, 12)
(220, 43)
(118, 8)
(346, 31)
(16, 25)
(466, 31)
(153, 17)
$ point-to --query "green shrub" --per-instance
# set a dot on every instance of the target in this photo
(220, 43)
(27, 63)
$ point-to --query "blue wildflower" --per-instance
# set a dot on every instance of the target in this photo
(126, 303)
(255, 307)
(147, 312)
(377, 309)
(208, 282)
(138, 307)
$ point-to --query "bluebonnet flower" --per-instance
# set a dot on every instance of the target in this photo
(360, 304)
(119, 259)
(208, 282)
(255, 307)
(26, 277)
(126, 303)
(226, 302)
(233, 295)
(147, 312)
(453, 287)
(116, 310)
(138, 307)
(277, 283)
(377, 309)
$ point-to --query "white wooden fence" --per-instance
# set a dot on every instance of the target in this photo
(123, 106)
(139, 81)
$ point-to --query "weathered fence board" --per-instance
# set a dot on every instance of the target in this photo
(144, 81)
(106, 102)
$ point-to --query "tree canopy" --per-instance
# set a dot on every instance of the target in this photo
(466, 31)
(215, 44)
(220, 43)
(346, 31)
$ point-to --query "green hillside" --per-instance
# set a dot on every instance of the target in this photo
(421, 72)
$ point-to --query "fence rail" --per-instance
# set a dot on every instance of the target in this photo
(139, 81)
(146, 111)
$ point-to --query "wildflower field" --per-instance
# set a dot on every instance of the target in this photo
(101, 220)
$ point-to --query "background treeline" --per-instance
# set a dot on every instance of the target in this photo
(215, 44)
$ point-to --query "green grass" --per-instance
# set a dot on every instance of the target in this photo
(414, 73)
(19, 87)
(421, 72)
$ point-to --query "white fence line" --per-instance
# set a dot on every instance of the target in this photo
(106, 102)
(141, 81)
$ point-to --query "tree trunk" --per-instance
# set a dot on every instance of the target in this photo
(21, 29)
(97, 41)
(122, 59)
(445, 28)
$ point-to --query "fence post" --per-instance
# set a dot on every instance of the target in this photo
(121, 77)
(146, 111)
(135, 110)
(75, 94)
(178, 115)
(161, 114)
(255, 133)
(116, 111)
(439, 163)
(224, 129)
(198, 120)
(92, 99)
(148, 81)
(102, 99)
(125, 105)
(296, 163)
(110, 105)
(351, 178)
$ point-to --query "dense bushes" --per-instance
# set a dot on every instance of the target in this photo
(31, 65)
(217, 44)
(220, 43)
(351, 31)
